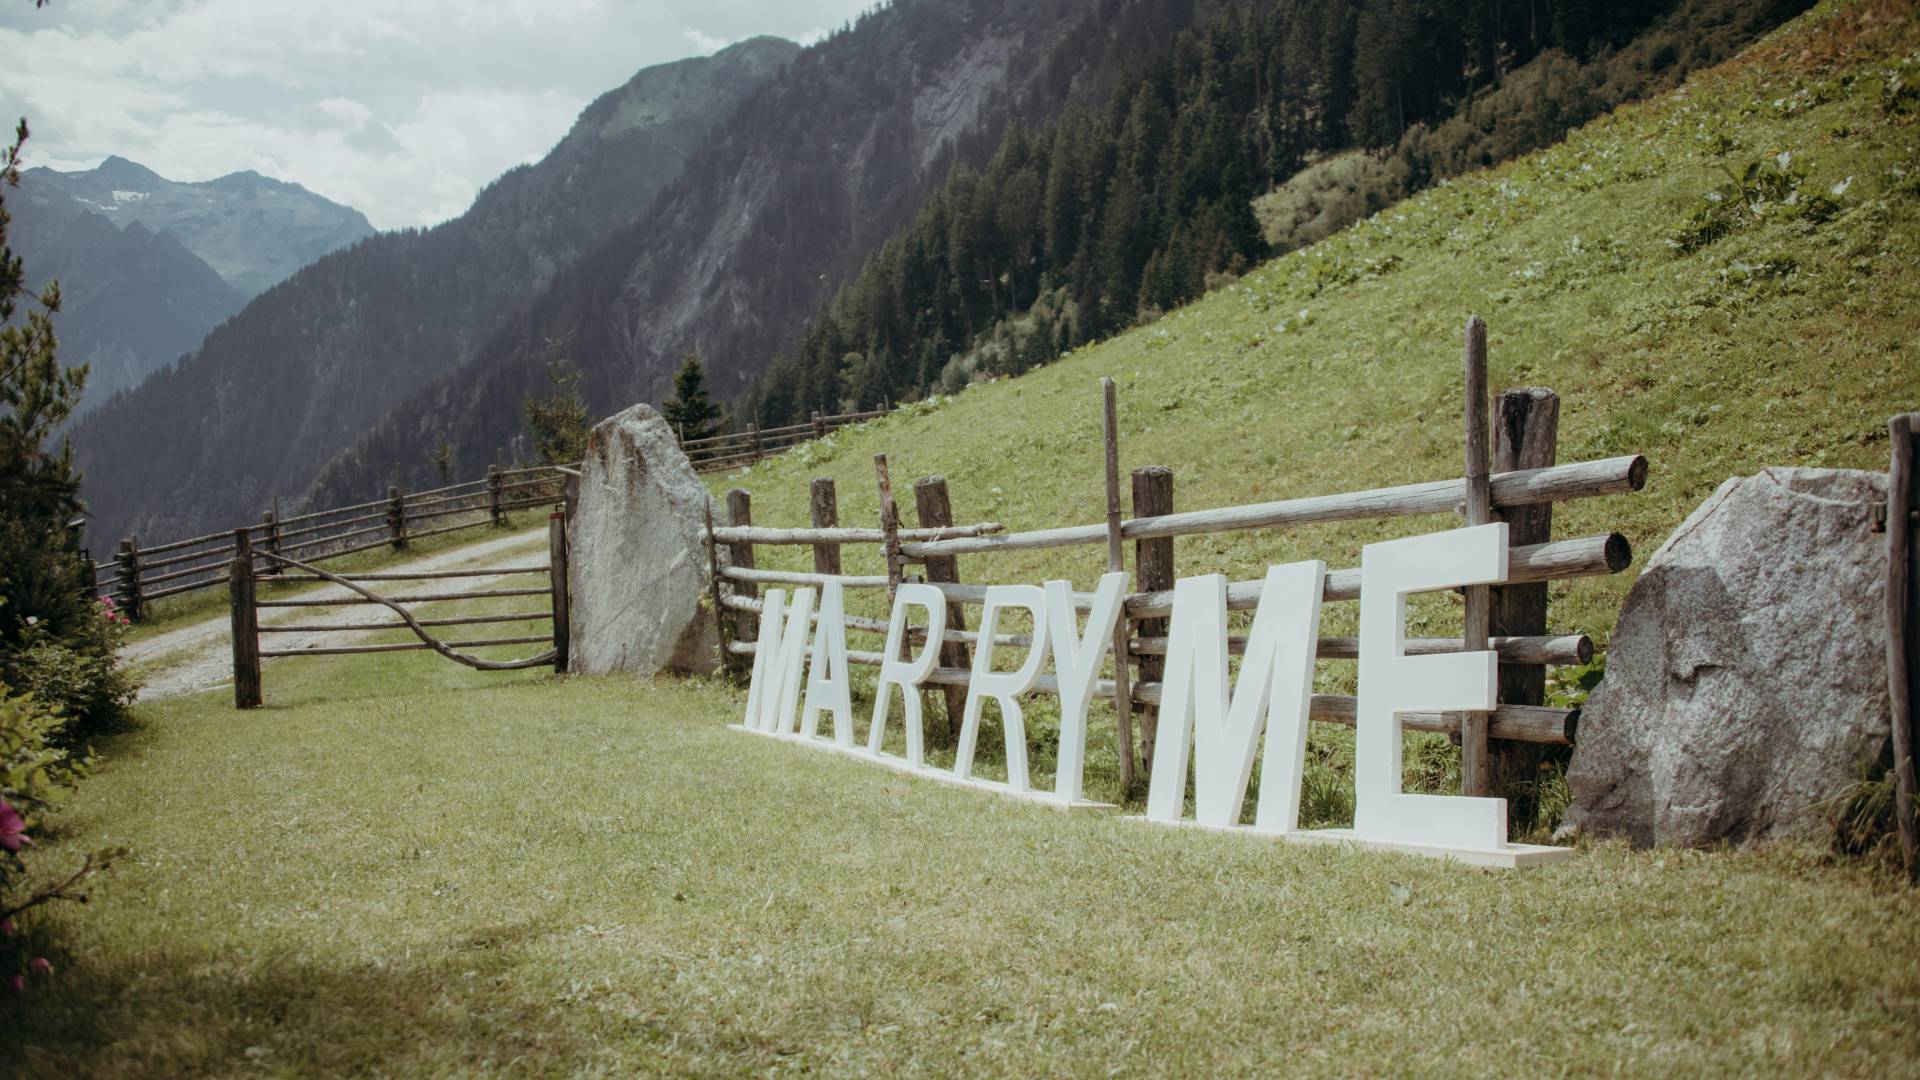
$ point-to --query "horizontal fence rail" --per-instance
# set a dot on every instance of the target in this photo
(137, 576)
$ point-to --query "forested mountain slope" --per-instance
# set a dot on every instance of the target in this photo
(131, 300)
(280, 388)
(789, 196)
(1724, 278)
(1129, 203)
(1117, 213)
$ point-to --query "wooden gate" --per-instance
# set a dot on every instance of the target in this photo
(249, 564)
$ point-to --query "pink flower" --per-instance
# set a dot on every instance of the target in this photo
(40, 965)
(13, 828)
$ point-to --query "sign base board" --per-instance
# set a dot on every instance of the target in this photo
(1505, 857)
(944, 776)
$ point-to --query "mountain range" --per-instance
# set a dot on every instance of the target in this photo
(719, 204)
(148, 266)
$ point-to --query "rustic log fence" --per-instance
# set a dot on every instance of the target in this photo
(137, 576)
(1510, 474)
(245, 577)
(721, 452)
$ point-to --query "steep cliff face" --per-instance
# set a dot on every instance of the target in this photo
(774, 213)
(308, 365)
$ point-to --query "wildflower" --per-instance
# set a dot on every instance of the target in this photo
(40, 965)
(13, 828)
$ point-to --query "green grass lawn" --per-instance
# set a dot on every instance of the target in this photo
(405, 868)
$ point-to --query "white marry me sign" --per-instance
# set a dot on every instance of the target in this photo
(1206, 724)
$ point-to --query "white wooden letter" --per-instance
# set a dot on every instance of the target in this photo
(1003, 686)
(908, 674)
(785, 663)
(1392, 682)
(761, 685)
(1295, 591)
(1076, 660)
(1276, 681)
(828, 686)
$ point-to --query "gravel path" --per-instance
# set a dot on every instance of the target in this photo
(198, 655)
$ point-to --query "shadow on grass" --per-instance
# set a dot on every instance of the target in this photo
(184, 1013)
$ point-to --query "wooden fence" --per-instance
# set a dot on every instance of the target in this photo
(1510, 474)
(245, 578)
(722, 452)
(137, 575)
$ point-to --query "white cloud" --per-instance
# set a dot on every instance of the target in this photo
(705, 43)
(403, 110)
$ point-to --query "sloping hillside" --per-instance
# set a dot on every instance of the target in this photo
(1780, 330)
(311, 363)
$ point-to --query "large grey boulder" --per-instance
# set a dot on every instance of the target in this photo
(637, 565)
(1747, 679)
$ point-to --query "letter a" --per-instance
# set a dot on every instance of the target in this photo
(828, 686)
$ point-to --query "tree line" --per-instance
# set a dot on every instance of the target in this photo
(1112, 213)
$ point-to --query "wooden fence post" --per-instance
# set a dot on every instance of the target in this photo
(819, 425)
(557, 580)
(746, 625)
(271, 522)
(1526, 432)
(1117, 561)
(127, 578)
(1479, 506)
(823, 509)
(245, 624)
(890, 526)
(1152, 571)
(753, 438)
(496, 488)
(935, 510)
(1903, 625)
(396, 517)
(723, 617)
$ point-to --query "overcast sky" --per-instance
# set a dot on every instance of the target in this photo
(401, 108)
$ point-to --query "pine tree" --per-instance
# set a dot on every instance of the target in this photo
(442, 459)
(689, 410)
(559, 420)
(39, 489)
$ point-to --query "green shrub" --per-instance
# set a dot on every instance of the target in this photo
(76, 673)
(36, 775)
(1772, 188)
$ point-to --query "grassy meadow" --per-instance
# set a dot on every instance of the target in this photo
(403, 867)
